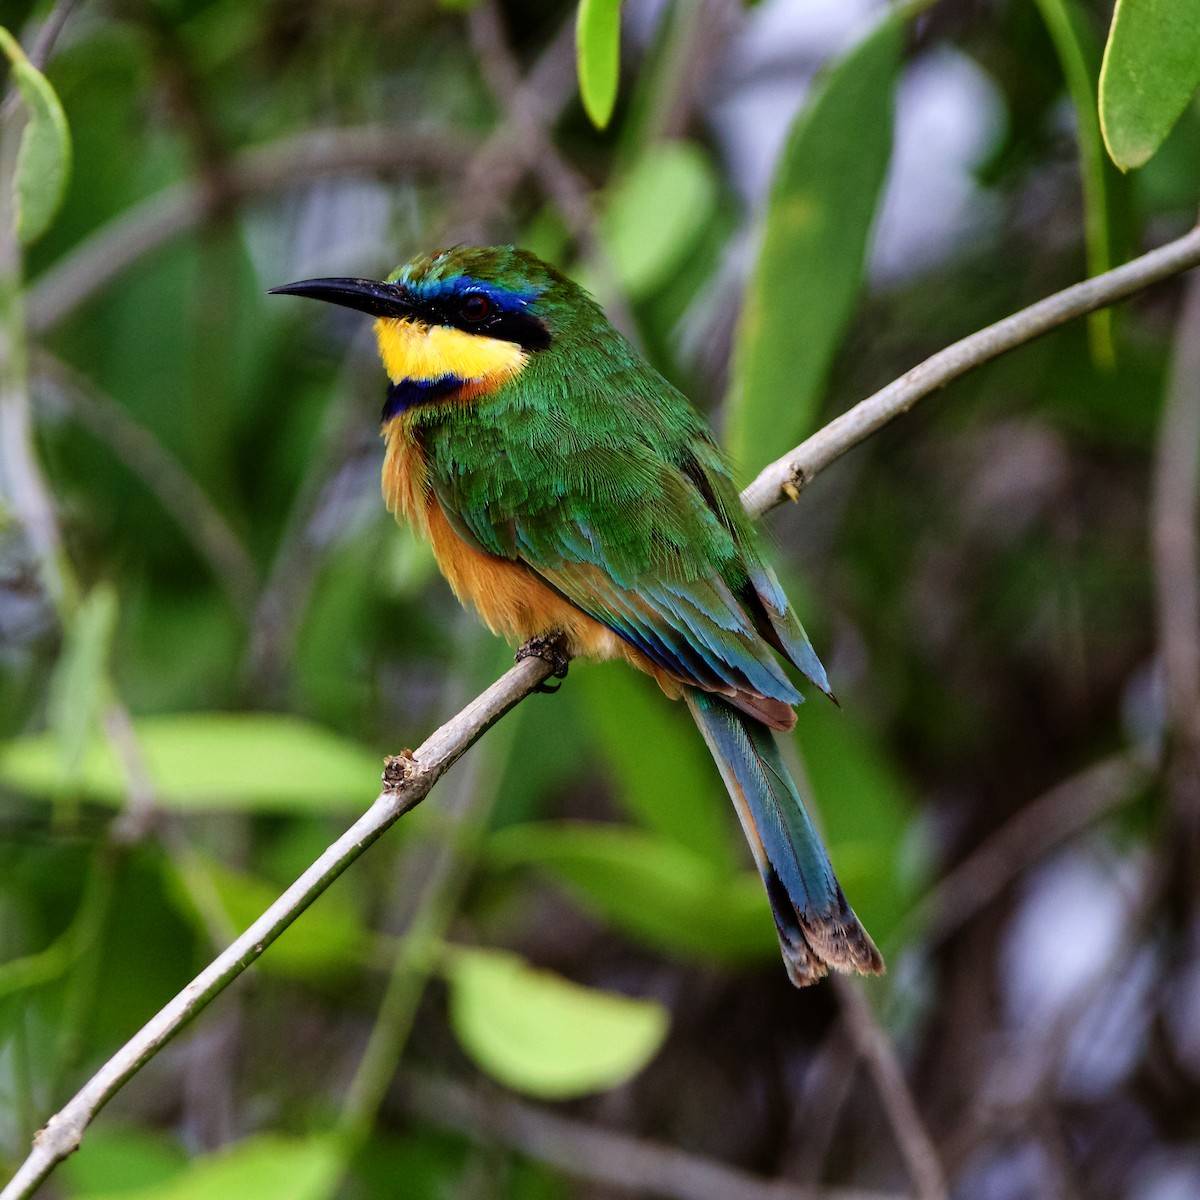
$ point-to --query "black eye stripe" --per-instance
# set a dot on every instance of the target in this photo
(521, 328)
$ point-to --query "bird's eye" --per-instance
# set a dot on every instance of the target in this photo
(475, 306)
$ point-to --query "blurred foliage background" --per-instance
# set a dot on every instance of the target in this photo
(558, 977)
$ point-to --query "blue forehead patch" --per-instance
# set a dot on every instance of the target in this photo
(503, 298)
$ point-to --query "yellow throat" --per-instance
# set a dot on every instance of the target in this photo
(413, 350)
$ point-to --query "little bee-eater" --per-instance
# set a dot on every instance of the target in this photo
(568, 489)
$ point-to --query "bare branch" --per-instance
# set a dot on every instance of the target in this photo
(599, 1155)
(784, 478)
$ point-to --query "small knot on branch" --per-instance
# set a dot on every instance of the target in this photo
(397, 769)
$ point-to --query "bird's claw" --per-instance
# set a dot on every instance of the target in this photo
(550, 648)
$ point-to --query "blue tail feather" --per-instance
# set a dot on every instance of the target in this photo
(817, 928)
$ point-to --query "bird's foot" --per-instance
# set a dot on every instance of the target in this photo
(551, 648)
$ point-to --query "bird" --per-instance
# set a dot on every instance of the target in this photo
(577, 500)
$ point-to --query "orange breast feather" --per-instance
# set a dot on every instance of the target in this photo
(510, 598)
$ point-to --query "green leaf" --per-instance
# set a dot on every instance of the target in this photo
(598, 56)
(665, 778)
(281, 1168)
(655, 890)
(327, 938)
(77, 686)
(1079, 56)
(121, 1157)
(814, 250)
(541, 1034)
(246, 762)
(44, 157)
(655, 213)
(1151, 69)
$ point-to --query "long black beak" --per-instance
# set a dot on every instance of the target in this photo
(365, 295)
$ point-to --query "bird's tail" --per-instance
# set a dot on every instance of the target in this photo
(817, 928)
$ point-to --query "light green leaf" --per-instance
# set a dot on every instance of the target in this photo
(1151, 69)
(655, 890)
(814, 249)
(77, 686)
(541, 1034)
(598, 56)
(44, 157)
(245, 762)
(655, 213)
(281, 1168)
(121, 1157)
(1079, 56)
(664, 775)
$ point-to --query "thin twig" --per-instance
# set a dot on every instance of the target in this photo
(63, 1133)
(599, 1155)
(912, 1138)
(117, 245)
(784, 478)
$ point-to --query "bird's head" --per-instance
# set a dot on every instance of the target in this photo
(471, 315)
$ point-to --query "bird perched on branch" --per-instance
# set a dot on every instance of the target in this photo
(574, 497)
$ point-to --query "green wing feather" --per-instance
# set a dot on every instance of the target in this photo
(608, 485)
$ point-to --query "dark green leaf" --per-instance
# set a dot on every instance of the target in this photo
(541, 1034)
(1151, 69)
(814, 248)
(654, 890)
(666, 779)
(598, 56)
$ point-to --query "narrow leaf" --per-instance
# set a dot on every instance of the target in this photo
(814, 249)
(44, 157)
(598, 56)
(655, 890)
(1151, 69)
(541, 1034)
(1079, 56)
(247, 762)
